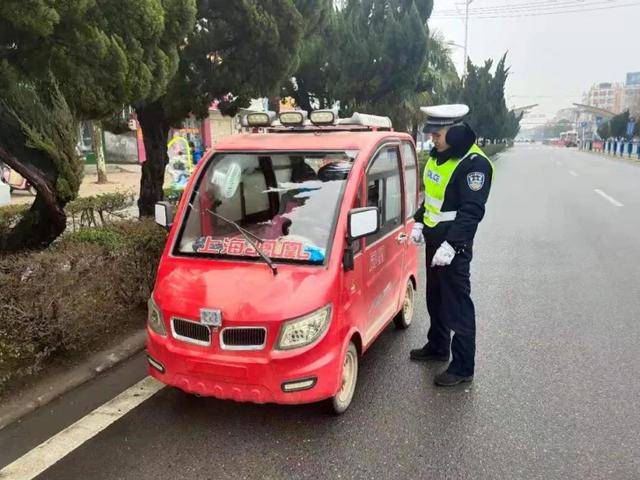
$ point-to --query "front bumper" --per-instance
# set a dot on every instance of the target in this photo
(246, 376)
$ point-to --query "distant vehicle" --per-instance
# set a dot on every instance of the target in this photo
(569, 138)
(288, 255)
(15, 180)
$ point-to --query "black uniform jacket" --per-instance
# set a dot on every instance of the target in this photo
(467, 192)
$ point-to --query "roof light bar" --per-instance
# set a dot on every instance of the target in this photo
(294, 118)
(323, 117)
(365, 120)
(260, 119)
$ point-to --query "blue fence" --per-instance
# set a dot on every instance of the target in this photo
(617, 148)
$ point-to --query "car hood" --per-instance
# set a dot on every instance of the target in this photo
(245, 292)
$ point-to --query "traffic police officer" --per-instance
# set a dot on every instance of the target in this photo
(457, 180)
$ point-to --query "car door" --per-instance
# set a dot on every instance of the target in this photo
(353, 298)
(384, 251)
(410, 205)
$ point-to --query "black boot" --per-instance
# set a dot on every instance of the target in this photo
(424, 355)
(448, 379)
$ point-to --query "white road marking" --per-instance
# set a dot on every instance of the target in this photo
(33, 463)
(573, 173)
(607, 197)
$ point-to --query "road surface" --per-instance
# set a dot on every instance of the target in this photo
(556, 396)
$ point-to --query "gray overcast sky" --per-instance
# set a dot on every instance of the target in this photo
(553, 58)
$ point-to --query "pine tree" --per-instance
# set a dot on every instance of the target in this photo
(379, 58)
(484, 93)
(237, 51)
(77, 58)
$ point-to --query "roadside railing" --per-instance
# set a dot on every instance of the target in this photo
(615, 148)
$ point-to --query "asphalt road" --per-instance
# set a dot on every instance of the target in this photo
(556, 395)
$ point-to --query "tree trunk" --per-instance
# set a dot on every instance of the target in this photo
(46, 219)
(414, 132)
(155, 131)
(101, 164)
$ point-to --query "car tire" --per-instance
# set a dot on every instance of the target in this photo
(405, 316)
(340, 402)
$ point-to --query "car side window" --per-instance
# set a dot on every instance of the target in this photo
(410, 166)
(384, 191)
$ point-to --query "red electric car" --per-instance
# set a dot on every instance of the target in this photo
(288, 255)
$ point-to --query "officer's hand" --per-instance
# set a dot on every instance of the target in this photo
(444, 255)
(416, 234)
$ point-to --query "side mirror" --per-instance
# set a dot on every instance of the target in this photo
(363, 222)
(164, 214)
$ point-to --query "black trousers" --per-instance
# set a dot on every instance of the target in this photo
(451, 310)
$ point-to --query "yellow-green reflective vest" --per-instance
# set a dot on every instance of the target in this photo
(436, 180)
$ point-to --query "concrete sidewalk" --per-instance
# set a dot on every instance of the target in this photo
(120, 178)
(114, 168)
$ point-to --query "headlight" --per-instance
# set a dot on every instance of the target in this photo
(154, 319)
(304, 330)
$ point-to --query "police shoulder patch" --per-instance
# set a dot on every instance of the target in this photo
(475, 180)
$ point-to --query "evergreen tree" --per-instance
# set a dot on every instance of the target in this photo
(617, 126)
(237, 51)
(309, 84)
(379, 55)
(79, 59)
(484, 93)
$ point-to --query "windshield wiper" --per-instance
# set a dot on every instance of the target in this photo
(253, 240)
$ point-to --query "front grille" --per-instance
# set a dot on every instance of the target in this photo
(191, 332)
(244, 338)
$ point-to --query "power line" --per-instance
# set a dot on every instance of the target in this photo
(539, 14)
(527, 6)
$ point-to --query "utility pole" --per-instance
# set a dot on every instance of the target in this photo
(466, 35)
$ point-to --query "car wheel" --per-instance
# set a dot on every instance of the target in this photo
(341, 401)
(404, 318)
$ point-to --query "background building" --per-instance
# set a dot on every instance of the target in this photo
(606, 95)
(632, 94)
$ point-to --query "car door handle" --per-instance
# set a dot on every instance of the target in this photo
(402, 238)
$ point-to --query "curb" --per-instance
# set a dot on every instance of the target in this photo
(633, 159)
(54, 387)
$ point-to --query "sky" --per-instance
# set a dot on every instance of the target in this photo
(553, 58)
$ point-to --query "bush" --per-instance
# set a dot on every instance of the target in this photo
(173, 194)
(78, 295)
(98, 210)
(9, 217)
(494, 149)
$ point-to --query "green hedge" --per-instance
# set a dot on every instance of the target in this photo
(10, 215)
(492, 150)
(75, 297)
(99, 210)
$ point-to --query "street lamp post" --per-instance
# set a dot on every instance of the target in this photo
(457, 45)
(466, 35)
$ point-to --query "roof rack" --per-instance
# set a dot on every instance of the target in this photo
(366, 120)
(316, 121)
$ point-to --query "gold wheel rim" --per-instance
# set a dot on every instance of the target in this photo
(407, 307)
(349, 371)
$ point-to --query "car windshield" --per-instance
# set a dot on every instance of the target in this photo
(290, 201)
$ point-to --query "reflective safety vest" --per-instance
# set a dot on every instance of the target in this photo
(436, 180)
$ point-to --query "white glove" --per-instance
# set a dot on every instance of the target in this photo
(416, 234)
(444, 255)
